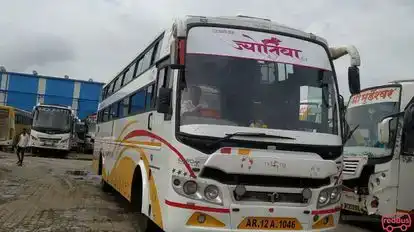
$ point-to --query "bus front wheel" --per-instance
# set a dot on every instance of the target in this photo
(105, 186)
(144, 223)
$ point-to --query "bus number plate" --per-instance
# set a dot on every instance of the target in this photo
(350, 207)
(48, 143)
(265, 223)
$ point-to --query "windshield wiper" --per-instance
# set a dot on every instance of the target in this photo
(350, 134)
(247, 134)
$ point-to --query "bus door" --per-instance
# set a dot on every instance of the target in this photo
(406, 180)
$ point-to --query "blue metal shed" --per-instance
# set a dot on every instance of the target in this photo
(24, 91)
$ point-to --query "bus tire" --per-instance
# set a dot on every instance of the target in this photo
(104, 185)
(136, 190)
(136, 200)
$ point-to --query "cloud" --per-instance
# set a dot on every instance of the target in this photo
(38, 50)
(95, 38)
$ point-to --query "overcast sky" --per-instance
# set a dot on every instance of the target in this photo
(96, 38)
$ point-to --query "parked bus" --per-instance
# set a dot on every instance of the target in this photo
(90, 122)
(175, 134)
(12, 123)
(378, 172)
(79, 136)
(51, 129)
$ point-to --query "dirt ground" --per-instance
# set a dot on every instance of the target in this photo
(49, 194)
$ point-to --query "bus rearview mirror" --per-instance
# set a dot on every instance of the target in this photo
(164, 100)
(177, 66)
(353, 80)
(384, 130)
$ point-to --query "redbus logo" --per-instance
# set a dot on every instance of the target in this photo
(400, 221)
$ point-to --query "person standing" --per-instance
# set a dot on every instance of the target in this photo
(21, 146)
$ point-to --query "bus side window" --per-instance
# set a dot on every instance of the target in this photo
(137, 102)
(106, 114)
(123, 107)
(149, 104)
(408, 147)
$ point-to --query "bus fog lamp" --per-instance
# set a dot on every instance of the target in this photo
(176, 182)
(240, 190)
(211, 192)
(326, 220)
(306, 193)
(374, 203)
(201, 218)
(190, 187)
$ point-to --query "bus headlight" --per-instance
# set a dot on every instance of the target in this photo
(64, 140)
(33, 138)
(323, 197)
(197, 190)
(190, 187)
(335, 195)
(329, 196)
(211, 192)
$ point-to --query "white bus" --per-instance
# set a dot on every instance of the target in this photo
(178, 132)
(51, 128)
(90, 122)
(378, 172)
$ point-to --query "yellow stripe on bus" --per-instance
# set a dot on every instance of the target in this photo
(122, 174)
(121, 178)
(147, 143)
(126, 127)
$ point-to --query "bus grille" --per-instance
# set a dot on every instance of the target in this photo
(283, 197)
(350, 166)
(4, 124)
(53, 140)
(264, 181)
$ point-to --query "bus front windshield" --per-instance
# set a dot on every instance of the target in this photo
(250, 93)
(52, 120)
(366, 110)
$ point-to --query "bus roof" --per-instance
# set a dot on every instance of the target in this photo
(54, 106)
(242, 21)
(14, 108)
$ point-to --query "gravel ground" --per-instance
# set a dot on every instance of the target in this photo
(49, 194)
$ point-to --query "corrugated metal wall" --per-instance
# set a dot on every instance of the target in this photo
(88, 96)
(59, 92)
(24, 91)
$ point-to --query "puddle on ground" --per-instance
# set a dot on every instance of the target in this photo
(77, 172)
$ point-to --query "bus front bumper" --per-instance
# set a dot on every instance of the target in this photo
(6, 142)
(40, 145)
(203, 219)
